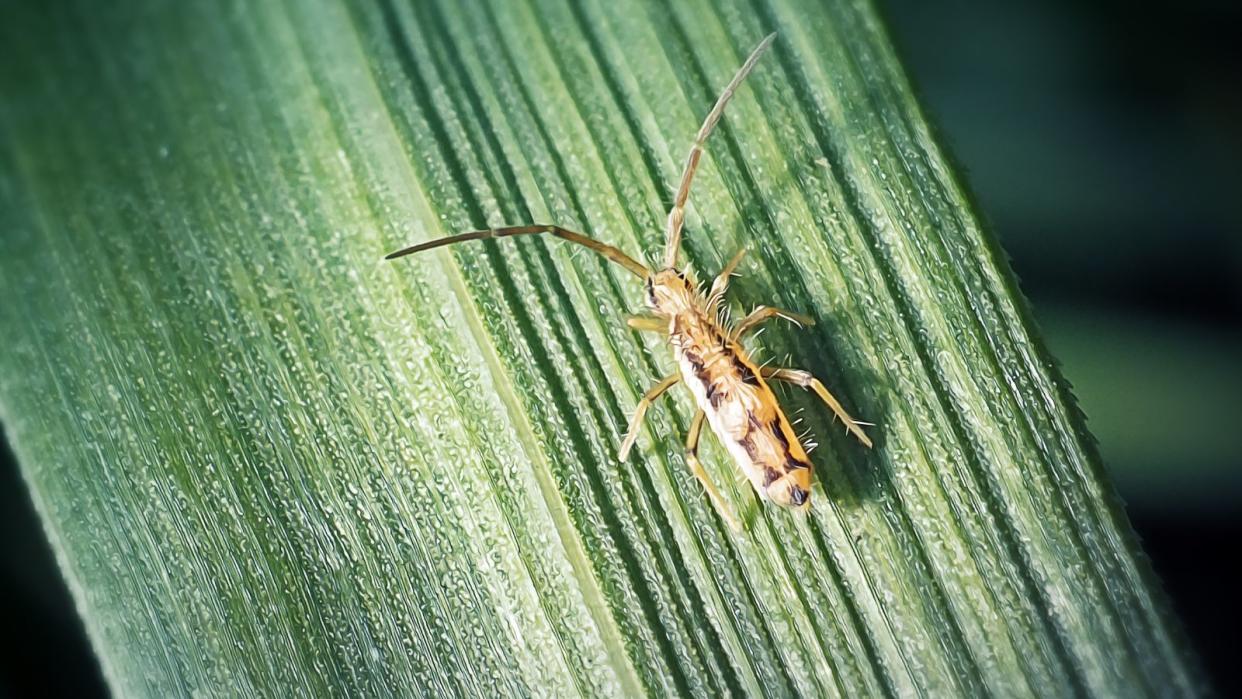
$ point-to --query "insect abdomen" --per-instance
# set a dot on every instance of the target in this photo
(743, 412)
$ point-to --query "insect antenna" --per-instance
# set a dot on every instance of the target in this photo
(677, 215)
(613, 254)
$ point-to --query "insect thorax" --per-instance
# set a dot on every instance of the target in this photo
(671, 293)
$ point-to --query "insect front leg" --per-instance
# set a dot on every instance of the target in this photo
(762, 313)
(806, 380)
(722, 280)
(641, 410)
(696, 467)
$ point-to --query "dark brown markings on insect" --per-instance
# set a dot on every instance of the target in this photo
(748, 444)
(700, 370)
(696, 362)
(711, 386)
(770, 476)
(792, 463)
(773, 428)
(744, 371)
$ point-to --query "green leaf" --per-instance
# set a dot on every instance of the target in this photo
(270, 462)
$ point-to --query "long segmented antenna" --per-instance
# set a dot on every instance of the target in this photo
(677, 215)
(608, 251)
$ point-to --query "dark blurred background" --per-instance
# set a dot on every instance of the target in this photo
(1104, 142)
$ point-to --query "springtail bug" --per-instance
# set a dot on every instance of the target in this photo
(732, 393)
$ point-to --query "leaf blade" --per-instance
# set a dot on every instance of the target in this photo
(411, 468)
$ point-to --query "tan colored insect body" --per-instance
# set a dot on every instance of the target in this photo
(732, 393)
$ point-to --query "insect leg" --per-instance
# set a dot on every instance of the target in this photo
(644, 403)
(611, 253)
(722, 280)
(806, 380)
(762, 313)
(648, 324)
(696, 467)
(677, 215)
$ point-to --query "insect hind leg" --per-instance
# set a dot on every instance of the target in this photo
(806, 380)
(696, 467)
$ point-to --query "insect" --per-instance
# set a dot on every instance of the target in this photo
(732, 393)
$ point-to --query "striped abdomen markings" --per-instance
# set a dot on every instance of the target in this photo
(721, 374)
(742, 410)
